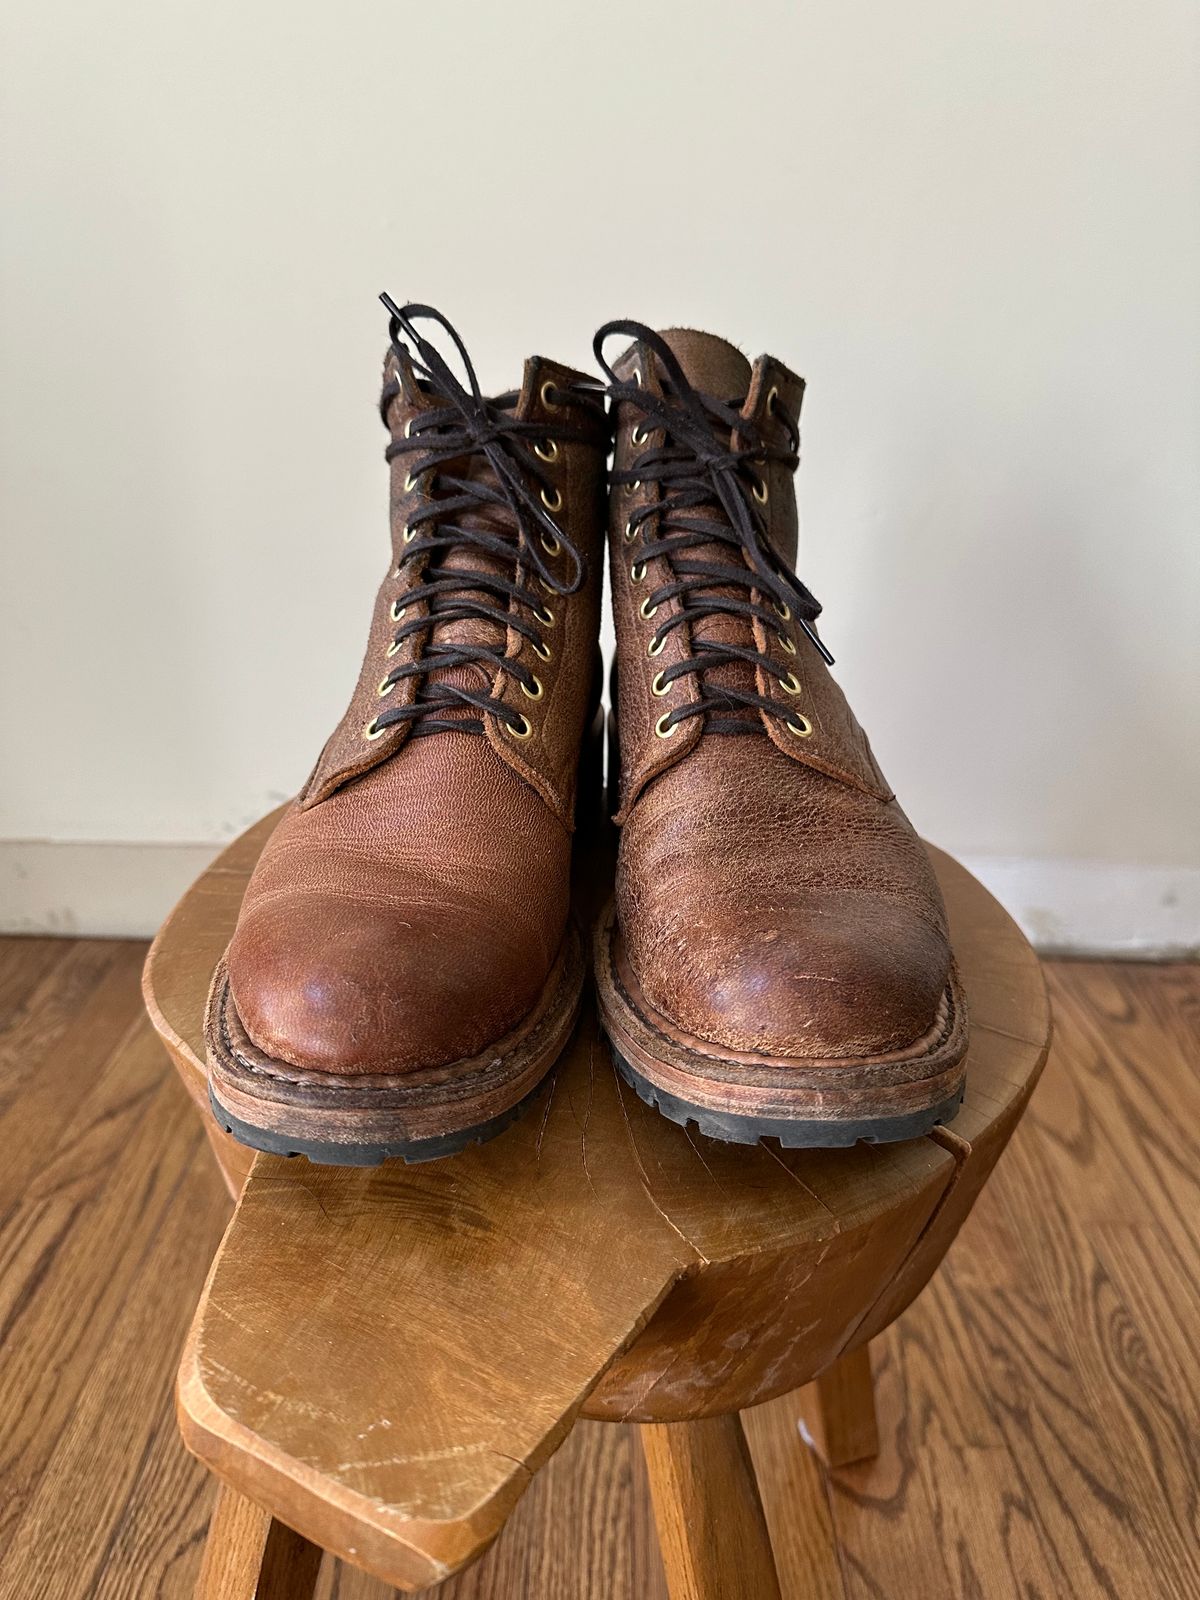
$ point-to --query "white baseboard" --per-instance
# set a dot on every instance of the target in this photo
(124, 890)
(1097, 908)
(102, 889)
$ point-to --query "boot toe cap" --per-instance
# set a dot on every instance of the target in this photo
(331, 985)
(817, 981)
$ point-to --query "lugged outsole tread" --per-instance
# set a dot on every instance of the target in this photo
(332, 1153)
(806, 1134)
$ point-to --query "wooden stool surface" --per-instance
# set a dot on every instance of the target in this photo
(384, 1356)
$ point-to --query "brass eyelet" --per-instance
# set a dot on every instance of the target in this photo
(783, 612)
(801, 732)
(639, 435)
(550, 405)
(630, 533)
(761, 492)
(410, 482)
(520, 728)
(666, 733)
(547, 450)
(637, 377)
(545, 616)
(647, 610)
(555, 504)
(658, 687)
(772, 397)
(373, 732)
(791, 684)
(550, 544)
(637, 571)
(386, 685)
(635, 486)
(534, 693)
(394, 648)
(542, 651)
(409, 534)
(656, 645)
(397, 610)
(787, 644)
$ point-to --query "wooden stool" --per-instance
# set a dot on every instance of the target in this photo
(383, 1357)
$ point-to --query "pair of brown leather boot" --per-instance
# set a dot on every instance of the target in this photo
(405, 969)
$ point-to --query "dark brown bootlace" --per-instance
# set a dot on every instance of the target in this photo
(497, 469)
(698, 468)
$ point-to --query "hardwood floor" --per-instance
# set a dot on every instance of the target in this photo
(1039, 1405)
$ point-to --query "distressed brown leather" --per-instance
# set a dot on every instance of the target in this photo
(409, 907)
(772, 896)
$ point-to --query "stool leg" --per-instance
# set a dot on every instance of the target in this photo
(839, 1411)
(707, 1509)
(251, 1556)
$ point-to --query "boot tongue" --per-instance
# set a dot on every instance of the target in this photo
(715, 367)
(710, 364)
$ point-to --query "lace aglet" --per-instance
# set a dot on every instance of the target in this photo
(390, 305)
(825, 655)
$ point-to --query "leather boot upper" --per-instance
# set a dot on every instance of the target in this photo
(772, 897)
(409, 906)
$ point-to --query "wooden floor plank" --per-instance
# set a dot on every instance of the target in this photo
(1039, 1405)
(37, 1019)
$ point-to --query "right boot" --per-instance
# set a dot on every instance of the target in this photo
(404, 971)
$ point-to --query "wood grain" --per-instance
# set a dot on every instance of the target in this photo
(250, 1556)
(477, 1306)
(838, 1411)
(711, 1526)
(965, 1498)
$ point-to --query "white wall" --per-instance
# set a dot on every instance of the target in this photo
(974, 228)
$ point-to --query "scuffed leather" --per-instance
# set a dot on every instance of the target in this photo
(772, 896)
(409, 908)
(406, 921)
(767, 907)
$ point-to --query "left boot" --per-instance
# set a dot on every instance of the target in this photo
(777, 961)
(405, 971)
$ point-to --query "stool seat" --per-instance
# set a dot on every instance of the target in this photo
(382, 1357)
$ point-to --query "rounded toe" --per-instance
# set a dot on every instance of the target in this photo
(816, 981)
(330, 985)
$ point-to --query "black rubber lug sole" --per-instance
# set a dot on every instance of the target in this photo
(337, 1153)
(792, 1133)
